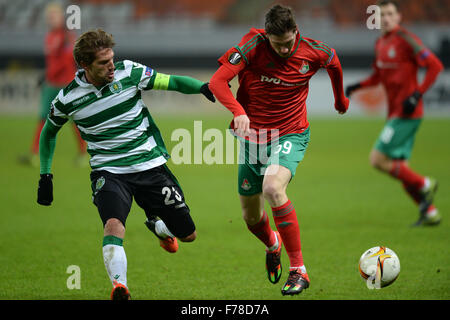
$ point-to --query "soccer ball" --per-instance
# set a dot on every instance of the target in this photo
(379, 267)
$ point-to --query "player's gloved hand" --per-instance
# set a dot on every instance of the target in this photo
(353, 87)
(45, 190)
(409, 105)
(342, 106)
(204, 89)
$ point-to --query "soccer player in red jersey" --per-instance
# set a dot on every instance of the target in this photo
(60, 70)
(398, 56)
(274, 66)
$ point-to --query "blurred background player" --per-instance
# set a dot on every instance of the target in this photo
(60, 69)
(398, 56)
(128, 154)
(274, 66)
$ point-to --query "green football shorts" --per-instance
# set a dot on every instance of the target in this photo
(254, 159)
(396, 140)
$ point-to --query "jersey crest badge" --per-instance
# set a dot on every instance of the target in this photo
(391, 52)
(304, 68)
(99, 183)
(115, 87)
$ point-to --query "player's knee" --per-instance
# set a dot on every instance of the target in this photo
(273, 192)
(189, 238)
(378, 162)
(251, 216)
(114, 226)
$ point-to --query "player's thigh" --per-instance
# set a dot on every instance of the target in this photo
(288, 152)
(159, 193)
(249, 179)
(276, 179)
(111, 195)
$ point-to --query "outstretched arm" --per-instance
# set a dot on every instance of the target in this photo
(183, 84)
(219, 86)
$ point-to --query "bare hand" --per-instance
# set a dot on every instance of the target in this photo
(242, 125)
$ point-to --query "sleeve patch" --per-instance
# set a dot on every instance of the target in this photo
(235, 58)
(148, 71)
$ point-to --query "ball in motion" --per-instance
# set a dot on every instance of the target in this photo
(379, 267)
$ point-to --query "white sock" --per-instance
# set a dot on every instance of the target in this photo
(115, 262)
(162, 230)
(302, 268)
(426, 185)
(275, 245)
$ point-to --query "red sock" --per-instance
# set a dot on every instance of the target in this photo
(81, 142)
(415, 195)
(402, 172)
(263, 231)
(37, 135)
(287, 225)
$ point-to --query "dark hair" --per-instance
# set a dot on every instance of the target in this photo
(386, 2)
(87, 45)
(279, 20)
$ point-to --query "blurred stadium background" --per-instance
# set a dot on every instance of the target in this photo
(187, 36)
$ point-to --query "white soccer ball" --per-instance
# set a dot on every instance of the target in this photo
(379, 267)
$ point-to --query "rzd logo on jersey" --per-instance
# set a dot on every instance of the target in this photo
(270, 80)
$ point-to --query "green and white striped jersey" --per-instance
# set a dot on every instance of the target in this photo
(120, 133)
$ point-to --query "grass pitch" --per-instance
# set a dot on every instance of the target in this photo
(344, 207)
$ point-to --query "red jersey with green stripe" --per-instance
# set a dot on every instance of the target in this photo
(272, 89)
(398, 56)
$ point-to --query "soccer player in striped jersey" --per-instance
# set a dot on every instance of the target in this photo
(274, 66)
(398, 56)
(128, 155)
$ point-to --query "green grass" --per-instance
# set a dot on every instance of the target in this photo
(343, 205)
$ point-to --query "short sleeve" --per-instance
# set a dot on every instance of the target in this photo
(56, 116)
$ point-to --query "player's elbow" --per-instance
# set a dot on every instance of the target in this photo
(215, 84)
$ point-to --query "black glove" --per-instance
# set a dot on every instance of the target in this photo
(204, 89)
(349, 90)
(45, 190)
(409, 105)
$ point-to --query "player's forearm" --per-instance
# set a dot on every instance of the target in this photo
(184, 84)
(219, 87)
(434, 67)
(47, 143)
(372, 80)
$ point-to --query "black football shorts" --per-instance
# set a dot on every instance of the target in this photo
(157, 191)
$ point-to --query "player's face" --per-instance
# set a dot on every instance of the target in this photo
(390, 17)
(283, 44)
(101, 71)
(55, 17)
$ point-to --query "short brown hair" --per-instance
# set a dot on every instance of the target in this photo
(87, 45)
(279, 20)
(382, 3)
